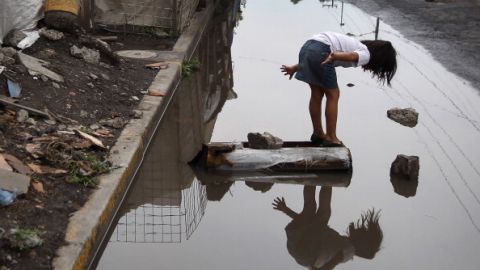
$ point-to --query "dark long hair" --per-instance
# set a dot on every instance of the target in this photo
(383, 60)
(366, 234)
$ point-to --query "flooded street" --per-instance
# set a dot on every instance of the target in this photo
(172, 221)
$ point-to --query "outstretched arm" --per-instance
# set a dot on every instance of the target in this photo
(289, 70)
(341, 56)
(280, 205)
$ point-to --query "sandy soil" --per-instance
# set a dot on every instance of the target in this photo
(448, 28)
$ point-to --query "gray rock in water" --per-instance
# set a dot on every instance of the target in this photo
(407, 117)
(89, 55)
(406, 167)
(51, 34)
(264, 141)
(22, 116)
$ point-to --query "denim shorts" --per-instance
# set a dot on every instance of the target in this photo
(311, 70)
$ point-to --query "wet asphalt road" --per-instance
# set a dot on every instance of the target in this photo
(449, 29)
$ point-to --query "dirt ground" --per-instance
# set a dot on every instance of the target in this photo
(449, 29)
(97, 99)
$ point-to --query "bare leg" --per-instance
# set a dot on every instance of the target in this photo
(315, 108)
(331, 114)
(324, 206)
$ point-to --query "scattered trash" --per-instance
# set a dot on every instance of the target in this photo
(4, 165)
(40, 169)
(14, 88)
(264, 141)
(14, 182)
(17, 165)
(38, 186)
(154, 92)
(406, 166)
(29, 40)
(94, 140)
(159, 65)
(407, 117)
(89, 55)
(22, 239)
(6, 198)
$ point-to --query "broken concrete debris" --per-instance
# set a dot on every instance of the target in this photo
(89, 55)
(14, 182)
(264, 141)
(37, 65)
(407, 117)
(47, 53)
(51, 34)
(406, 167)
(117, 122)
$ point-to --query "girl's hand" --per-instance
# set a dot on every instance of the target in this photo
(279, 204)
(329, 59)
(289, 70)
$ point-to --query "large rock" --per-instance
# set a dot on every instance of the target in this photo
(89, 55)
(407, 117)
(264, 141)
(8, 51)
(406, 167)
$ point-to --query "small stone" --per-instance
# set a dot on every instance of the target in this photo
(105, 76)
(8, 51)
(44, 78)
(264, 141)
(56, 85)
(407, 117)
(94, 127)
(83, 114)
(50, 122)
(406, 166)
(93, 76)
(105, 65)
(51, 34)
(31, 121)
(20, 69)
(137, 114)
(46, 53)
(14, 37)
(143, 92)
(22, 116)
(8, 60)
(135, 98)
(89, 55)
(91, 85)
(116, 122)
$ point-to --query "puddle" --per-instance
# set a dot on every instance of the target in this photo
(172, 221)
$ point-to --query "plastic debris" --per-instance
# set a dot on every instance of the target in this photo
(6, 198)
(14, 88)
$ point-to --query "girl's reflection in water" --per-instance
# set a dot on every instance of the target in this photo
(315, 245)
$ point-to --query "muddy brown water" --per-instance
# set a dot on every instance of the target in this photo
(172, 221)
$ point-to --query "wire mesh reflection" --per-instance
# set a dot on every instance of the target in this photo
(168, 218)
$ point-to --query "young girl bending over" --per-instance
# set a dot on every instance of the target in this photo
(316, 66)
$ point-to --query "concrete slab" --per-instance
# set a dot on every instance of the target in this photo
(37, 65)
(14, 182)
